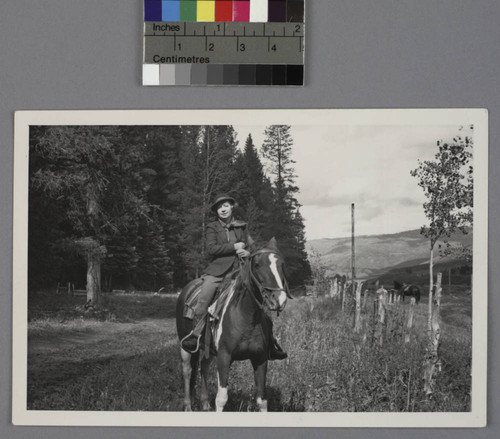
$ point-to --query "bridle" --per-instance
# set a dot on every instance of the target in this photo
(262, 288)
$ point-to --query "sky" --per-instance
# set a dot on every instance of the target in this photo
(366, 165)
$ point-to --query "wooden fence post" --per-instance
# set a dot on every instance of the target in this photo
(344, 288)
(357, 318)
(409, 325)
(365, 299)
(334, 289)
(432, 361)
(382, 308)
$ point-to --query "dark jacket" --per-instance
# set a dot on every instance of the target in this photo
(221, 252)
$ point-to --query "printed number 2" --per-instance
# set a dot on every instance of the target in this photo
(211, 47)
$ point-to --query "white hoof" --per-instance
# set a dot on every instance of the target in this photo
(262, 403)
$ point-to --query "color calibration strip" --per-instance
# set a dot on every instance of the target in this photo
(262, 11)
(223, 42)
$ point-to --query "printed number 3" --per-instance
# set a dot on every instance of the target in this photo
(242, 47)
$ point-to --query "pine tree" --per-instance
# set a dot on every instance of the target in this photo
(254, 191)
(164, 148)
(98, 182)
(286, 222)
(208, 163)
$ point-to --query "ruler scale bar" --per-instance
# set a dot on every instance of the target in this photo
(235, 43)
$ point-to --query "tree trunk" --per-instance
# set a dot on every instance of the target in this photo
(93, 277)
(432, 361)
(206, 196)
(431, 285)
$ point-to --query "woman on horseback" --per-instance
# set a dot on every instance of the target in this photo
(227, 242)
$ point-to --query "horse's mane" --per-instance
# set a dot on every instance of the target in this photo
(244, 277)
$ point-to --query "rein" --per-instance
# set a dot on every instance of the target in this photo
(262, 288)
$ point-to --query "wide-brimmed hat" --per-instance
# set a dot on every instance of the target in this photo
(221, 199)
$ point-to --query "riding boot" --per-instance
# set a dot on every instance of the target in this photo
(275, 351)
(191, 342)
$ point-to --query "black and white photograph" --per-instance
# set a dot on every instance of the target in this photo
(323, 266)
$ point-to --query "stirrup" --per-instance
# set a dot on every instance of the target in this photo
(197, 342)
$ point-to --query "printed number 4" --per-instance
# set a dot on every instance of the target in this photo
(273, 47)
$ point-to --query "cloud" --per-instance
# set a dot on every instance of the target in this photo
(370, 166)
(370, 212)
(315, 197)
(407, 201)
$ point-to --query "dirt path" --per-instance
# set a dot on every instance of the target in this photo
(101, 340)
(89, 365)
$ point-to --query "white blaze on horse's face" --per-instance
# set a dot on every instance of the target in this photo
(274, 269)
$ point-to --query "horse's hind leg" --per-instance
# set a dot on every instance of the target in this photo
(260, 372)
(189, 366)
(205, 365)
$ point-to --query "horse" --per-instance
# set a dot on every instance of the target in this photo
(243, 331)
(407, 290)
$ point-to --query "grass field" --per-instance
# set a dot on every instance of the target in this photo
(127, 358)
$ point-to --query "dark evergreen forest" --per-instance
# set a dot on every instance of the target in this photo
(125, 207)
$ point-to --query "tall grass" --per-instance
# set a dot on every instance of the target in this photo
(332, 369)
(329, 367)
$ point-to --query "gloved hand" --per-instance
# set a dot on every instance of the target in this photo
(239, 246)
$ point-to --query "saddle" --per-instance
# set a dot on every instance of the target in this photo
(214, 310)
(218, 301)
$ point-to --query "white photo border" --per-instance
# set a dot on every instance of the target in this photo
(375, 117)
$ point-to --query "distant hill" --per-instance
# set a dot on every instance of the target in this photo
(377, 254)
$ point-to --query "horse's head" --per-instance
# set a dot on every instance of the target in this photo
(266, 268)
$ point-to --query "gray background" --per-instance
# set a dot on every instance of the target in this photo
(70, 54)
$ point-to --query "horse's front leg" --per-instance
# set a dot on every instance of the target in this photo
(260, 372)
(205, 365)
(223, 364)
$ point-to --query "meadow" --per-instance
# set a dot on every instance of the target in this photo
(126, 357)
